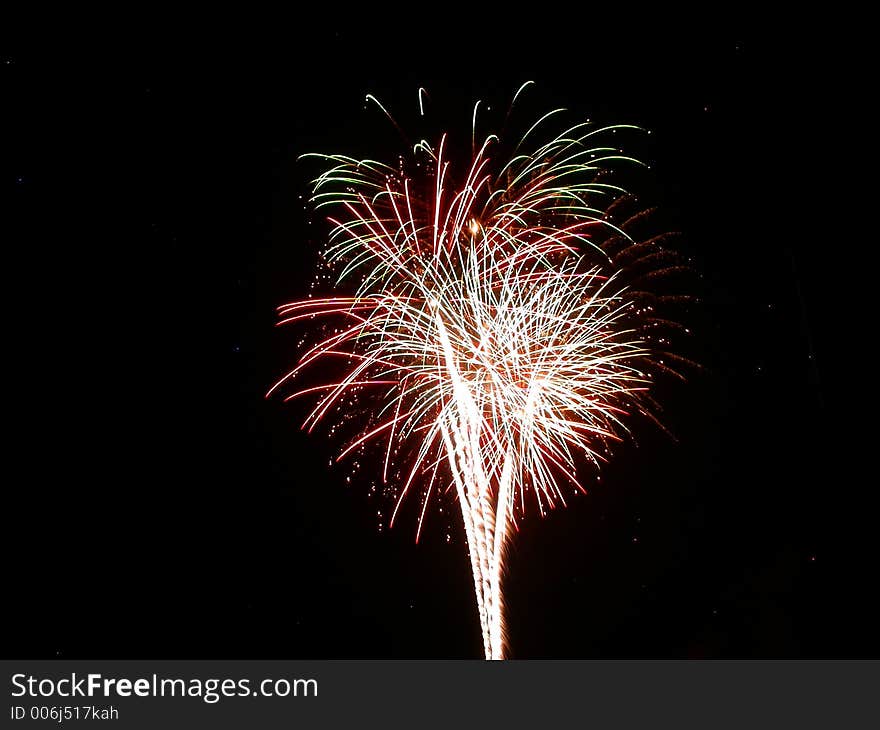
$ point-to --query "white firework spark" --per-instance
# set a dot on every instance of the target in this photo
(487, 329)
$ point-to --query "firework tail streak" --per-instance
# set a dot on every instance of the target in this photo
(488, 330)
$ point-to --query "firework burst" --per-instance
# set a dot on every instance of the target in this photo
(497, 321)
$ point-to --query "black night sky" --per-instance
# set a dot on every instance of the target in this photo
(167, 510)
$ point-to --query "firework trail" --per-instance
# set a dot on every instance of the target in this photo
(498, 324)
